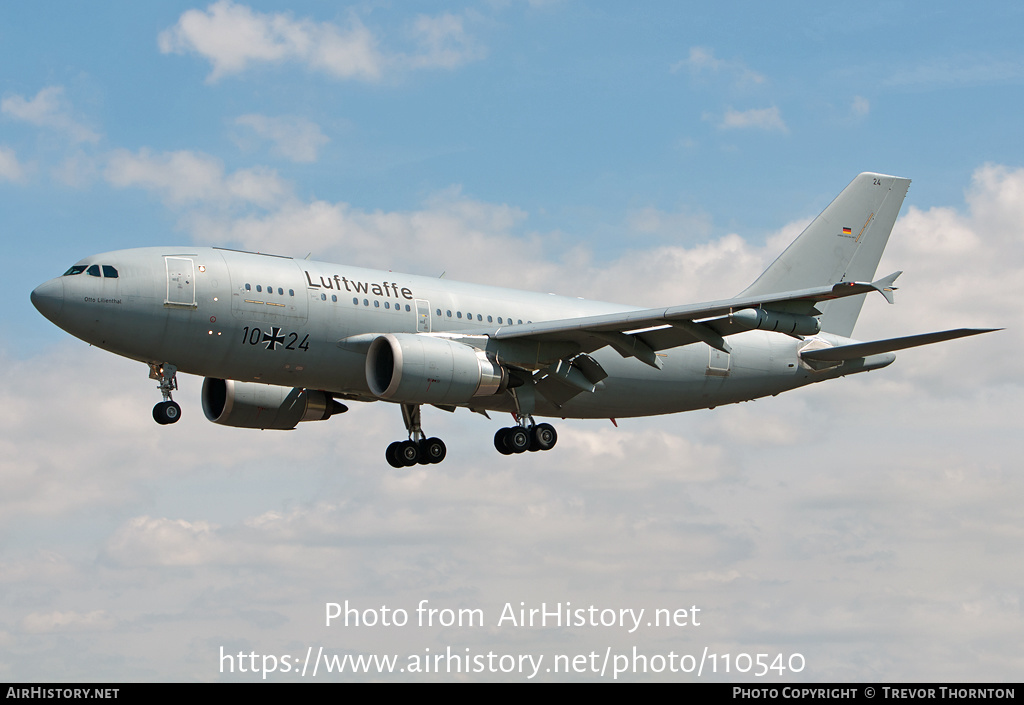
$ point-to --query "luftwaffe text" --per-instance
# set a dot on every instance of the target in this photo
(389, 289)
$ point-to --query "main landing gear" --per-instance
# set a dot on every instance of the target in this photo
(519, 439)
(167, 411)
(418, 449)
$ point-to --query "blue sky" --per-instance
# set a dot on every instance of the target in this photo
(651, 154)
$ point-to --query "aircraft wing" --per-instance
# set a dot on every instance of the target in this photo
(642, 332)
(858, 350)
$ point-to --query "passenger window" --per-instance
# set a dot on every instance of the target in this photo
(259, 289)
(334, 298)
(438, 313)
(323, 297)
(355, 301)
(280, 291)
(75, 269)
(459, 314)
(94, 270)
(408, 309)
(449, 313)
(490, 320)
(248, 287)
(387, 304)
(291, 292)
(376, 304)
(366, 302)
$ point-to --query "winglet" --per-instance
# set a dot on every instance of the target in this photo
(884, 285)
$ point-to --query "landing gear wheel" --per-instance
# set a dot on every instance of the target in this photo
(543, 437)
(432, 451)
(499, 441)
(517, 439)
(408, 453)
(166, 412)
(392, 455)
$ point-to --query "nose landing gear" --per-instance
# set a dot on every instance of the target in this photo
(167, 411)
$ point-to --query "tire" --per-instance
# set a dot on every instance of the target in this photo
(158, 413)
(499, 441)
(543, 437)
(518, 439)
(392, 455)
(166, 412)
(432, 451)
(408, 453)
(172, 412)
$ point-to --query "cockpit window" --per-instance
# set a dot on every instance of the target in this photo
(94, 270)
(75, 269)
(109, 272)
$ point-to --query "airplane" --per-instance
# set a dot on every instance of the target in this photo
(281, 341)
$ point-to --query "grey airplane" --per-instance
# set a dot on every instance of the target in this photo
(281, 341)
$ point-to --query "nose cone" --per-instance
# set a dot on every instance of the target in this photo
(48, 298)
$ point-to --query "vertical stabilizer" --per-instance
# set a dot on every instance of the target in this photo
(844, 243)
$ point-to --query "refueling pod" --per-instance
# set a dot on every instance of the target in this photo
(778, 321)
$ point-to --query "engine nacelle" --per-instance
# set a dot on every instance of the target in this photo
(250, 405)
(422, 369)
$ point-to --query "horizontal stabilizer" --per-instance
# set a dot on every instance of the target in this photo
(857, 350)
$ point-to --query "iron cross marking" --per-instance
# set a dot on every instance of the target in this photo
(273, 338)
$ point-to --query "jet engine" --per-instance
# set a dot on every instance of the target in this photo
(249, 405)
(422, 369)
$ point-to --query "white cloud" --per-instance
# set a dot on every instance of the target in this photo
(48, 109)
(61, 622)
(443, 42)
(10, 168)
(702, 61)
(756, 118)
(420, 240)
(293, 137)
(235, 37)
(187, 177)
(160, 541)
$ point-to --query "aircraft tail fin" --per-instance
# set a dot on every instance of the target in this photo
(844, 243)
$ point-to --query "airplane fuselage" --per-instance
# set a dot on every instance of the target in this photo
(297, 323)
